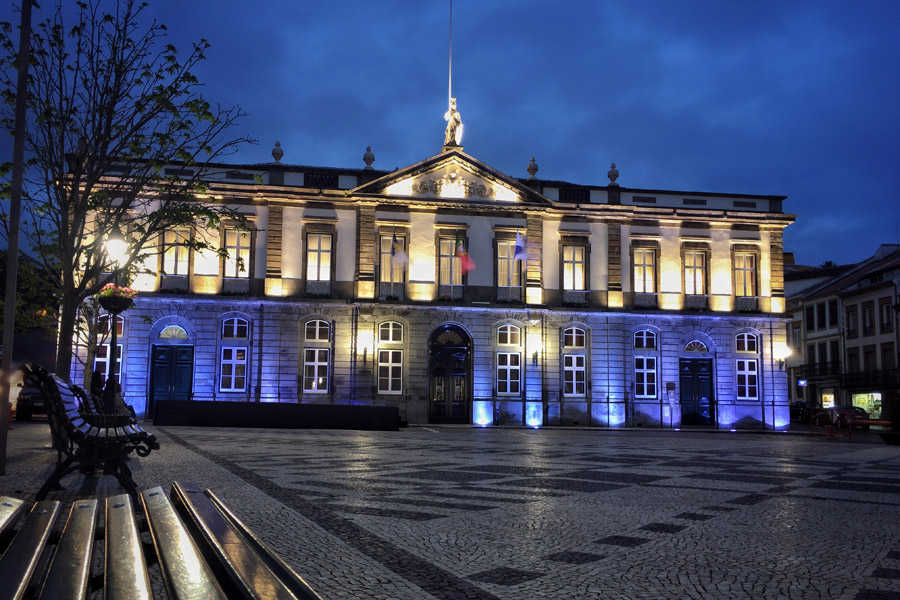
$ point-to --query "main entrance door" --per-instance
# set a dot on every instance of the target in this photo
(450, 375)
(171, 374)
(697, 402)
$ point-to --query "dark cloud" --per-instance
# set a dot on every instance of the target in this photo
(769, 97)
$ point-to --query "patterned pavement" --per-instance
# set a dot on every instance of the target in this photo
(465, 513)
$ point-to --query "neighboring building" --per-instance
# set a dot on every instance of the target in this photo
(845, 337)
(588, 304)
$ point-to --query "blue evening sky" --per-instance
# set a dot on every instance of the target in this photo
(767, 97)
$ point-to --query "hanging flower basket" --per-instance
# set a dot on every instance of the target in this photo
(115, 299)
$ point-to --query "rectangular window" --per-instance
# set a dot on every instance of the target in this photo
(508, 373)
(645, 376)
(390, 371)
(508, 266)
(233, 369)
(887, 356)
(175, 254)
(745, 275)
(869, 318)
(573, 268)
(810, 318)
(853, 360)
(573, 374)
(695, 273)
(747, 384)
(795, 336)
(869, 363)
(318, 257)
(852, 323)
(645, 270)
(315, 370)
(820, 315)
(237, 244)
(391, 265)
(887, 317)
(832, 313)
(101, 361)
(450, 272)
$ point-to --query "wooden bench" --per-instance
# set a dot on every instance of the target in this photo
(200, 547)
(83, 436)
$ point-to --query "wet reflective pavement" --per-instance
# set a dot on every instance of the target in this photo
(465, 513)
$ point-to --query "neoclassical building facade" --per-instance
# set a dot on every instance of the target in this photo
(460, 294)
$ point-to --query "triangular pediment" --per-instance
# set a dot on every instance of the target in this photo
(452, 175)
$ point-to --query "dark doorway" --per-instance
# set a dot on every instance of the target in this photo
(697, 402)
(171, 374)
(450, 375)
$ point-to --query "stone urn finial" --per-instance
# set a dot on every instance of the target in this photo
(277, 152)
(532, 169)
(613, 174)
(368, 158)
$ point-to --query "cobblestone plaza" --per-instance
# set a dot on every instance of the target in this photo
(466, 513)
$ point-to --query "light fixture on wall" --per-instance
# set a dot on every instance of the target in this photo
(781, 353)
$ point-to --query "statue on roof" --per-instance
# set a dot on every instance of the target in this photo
(453, 134)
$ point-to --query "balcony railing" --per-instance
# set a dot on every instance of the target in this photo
(823, 369)
(885, 378)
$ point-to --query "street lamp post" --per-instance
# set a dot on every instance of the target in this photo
(116, 247)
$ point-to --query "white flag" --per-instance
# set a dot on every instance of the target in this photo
(521, 253)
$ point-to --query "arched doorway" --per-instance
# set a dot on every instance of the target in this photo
(449, 375)
(698, 405)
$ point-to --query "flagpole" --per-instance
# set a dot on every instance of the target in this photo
(450, 67)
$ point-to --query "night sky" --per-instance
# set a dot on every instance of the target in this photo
(767, 97)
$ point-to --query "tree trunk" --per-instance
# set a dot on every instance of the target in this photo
(67, 311)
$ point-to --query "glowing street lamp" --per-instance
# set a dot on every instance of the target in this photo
(116, 249)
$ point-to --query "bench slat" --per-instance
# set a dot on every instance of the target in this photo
(125, 574)
(10, 511)
(246, 560)
(21, 558)
(184, 571)
(70, 570)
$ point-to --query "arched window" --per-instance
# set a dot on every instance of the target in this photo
(390, 358)
(695, 346)
(317, 330)
(390, 331)
(316, 357)
(234, 355)
(645, 359)
(173, 332)
(574, 361)
(509, 335)
(573, 337)
(746, 342)
(644, 339)
(235, 328)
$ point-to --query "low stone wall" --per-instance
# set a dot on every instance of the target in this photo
(278, 415)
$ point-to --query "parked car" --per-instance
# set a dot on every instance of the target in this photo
(28, 404)
(850, 414)
(800, 411)
(841, 416)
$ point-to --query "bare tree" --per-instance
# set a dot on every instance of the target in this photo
(112, 107)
